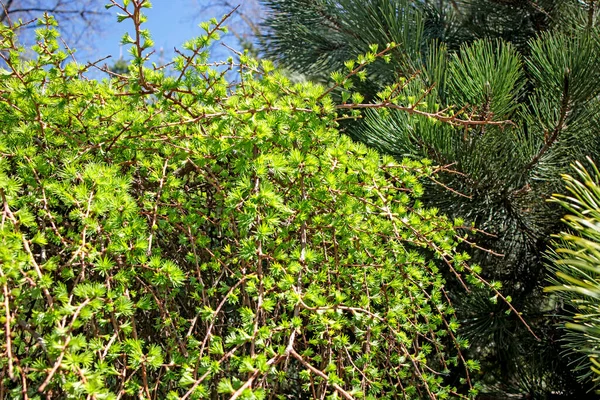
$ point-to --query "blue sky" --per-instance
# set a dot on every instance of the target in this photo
(171, 23)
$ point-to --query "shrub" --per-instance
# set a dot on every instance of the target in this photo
(170, 234)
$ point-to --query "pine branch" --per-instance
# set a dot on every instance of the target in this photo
(564, 112)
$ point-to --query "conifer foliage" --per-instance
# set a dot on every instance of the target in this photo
(534, 63)
(576, 267)
(167, 233)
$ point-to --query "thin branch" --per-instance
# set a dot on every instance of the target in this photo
(440, 116)
(212, 324)
(209, 372)
(56, 11)
(248, 383)
(320, 373)
(7, 332)
(155, 210)
(196, 51)
(64, 348)
(564, 112)
(36, 267)
(448, 188)
(5, 11)
(354, 72)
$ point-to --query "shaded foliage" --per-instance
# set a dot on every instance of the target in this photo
(177, 235)
(533, 63)
(575, 267)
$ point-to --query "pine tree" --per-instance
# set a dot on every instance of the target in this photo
(533, 63)
(575, 264)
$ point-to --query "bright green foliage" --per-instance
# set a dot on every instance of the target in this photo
(175, 235)
(534, 63)
(576, 266)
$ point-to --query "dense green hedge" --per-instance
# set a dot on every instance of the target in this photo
(169, 233)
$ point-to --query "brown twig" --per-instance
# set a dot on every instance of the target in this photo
(448, 188)
(155, 209)
(64, 348)
(553, 137)
(320, 373)
(209, 372)
(7, 332)
(196, 51)
(212, 323)
(36, 267)
(453, 120)
(354, 72)
(274, 360)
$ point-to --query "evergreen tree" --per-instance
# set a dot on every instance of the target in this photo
(576, 267)
(533, 63)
